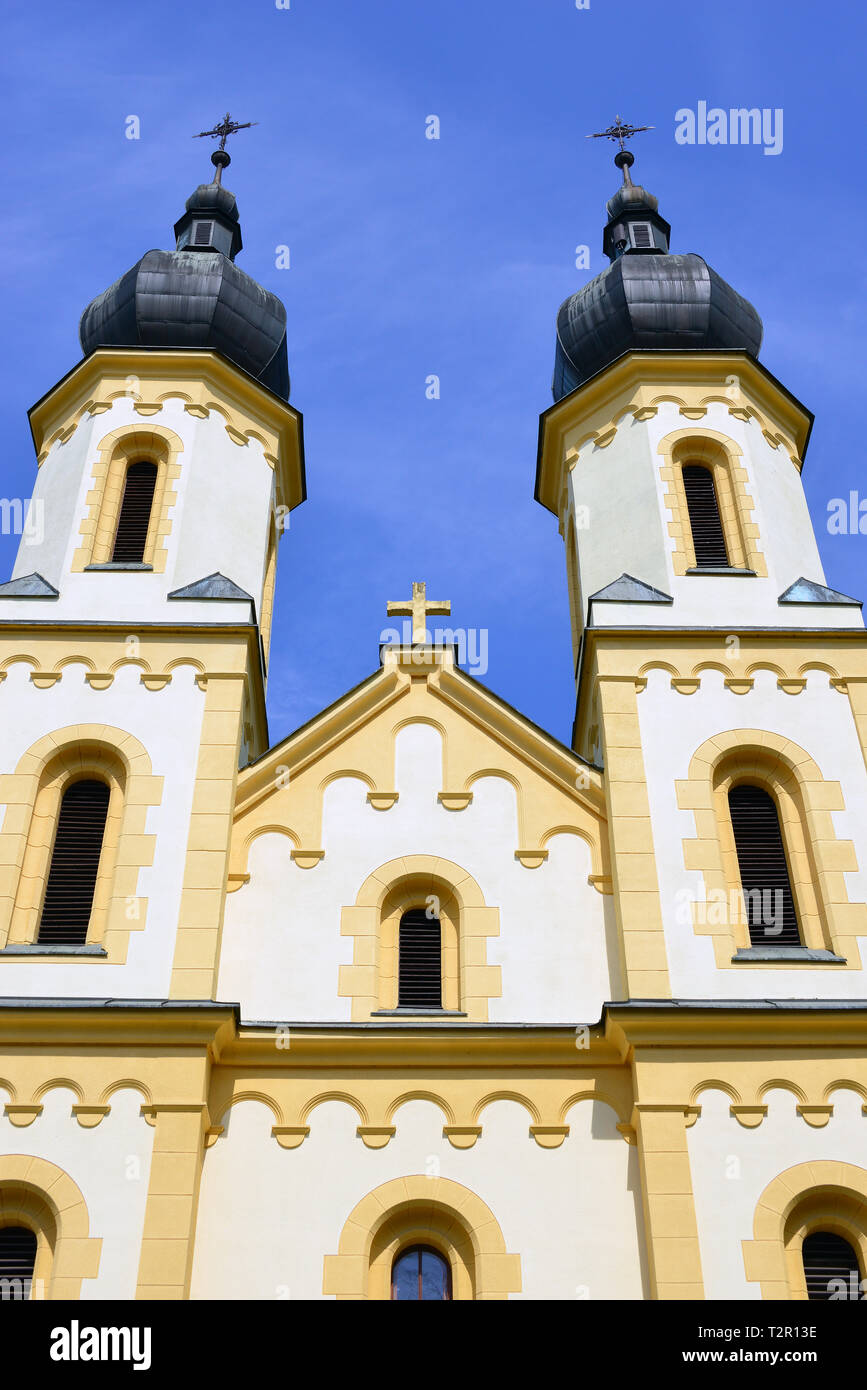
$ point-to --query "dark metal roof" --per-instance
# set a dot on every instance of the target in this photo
(646, 298)
(649, 301)
(196, 297)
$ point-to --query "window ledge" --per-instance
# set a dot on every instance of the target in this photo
(418, 1013)
(42, 948)
(722, 569)
(797, 953)
(120, 565)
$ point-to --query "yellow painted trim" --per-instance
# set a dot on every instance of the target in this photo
(817, 860)
(204, 381)
(117, 450)
(206, 870)
(723, 458)
(373, 922)
(434, 1211)
(32, 795)
(38, 1194)
(821, 1195)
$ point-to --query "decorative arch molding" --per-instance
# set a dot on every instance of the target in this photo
(347, 774)
(434, 1211)
(248, 1097)
(724, 460)
(343, 1097)
(781, 1084)
(38, 1194)
(820, 1195)
(714, 1084)
(373, 921)
(818, 860)
(515, 1097)
(117, 450)
(32, 795)
(406, 1097)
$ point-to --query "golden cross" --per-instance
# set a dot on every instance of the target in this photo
(418, 608)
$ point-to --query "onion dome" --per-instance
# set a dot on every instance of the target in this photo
(195, 296)
(646, 298)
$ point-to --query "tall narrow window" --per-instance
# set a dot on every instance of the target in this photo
(708, 537)
(74, 864)
(831, 1267)
(131, 536)
(421, 1274)
(17, 1259)
(420, 967)
(770, 904)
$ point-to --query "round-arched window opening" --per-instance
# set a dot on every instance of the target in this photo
(421, 1273)
(17, 1259)
(831, 1267)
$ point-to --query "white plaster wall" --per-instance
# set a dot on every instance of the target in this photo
(168, 724)
(268, 1216)
(622, 531)
(282, 946)
(673, 727)
(731, 1167)
(628, 530)
(110, 1165)
(220, 521)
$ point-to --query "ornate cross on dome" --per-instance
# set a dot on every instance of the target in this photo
(220, 156)
(620, 130)
(418, 608)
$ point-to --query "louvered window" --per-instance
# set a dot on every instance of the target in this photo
(421, 1274)
(708, 537)
(135, 513)
(770, 905)
(202, 233)
(831, 1267)
(420, 968)
(642, 237)
(74, 864)
(17, 1258)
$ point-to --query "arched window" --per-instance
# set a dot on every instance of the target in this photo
(74, 864)
(767, 889)
(17, 1259)
(708, 536)
(419, 981)
(421, 1273)
(130, 538)
(831, 1267)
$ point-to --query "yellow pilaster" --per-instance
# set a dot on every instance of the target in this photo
(197, 948)
(669, 1208)
(857, 688)
(636, 888)
(166, 1259)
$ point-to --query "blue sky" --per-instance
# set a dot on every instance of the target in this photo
(412, 257)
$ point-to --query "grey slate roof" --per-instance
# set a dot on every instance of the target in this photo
(808, 591)
(212, 586)
(28, 586)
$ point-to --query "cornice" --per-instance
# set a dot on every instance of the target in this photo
(676, 1025)
(250, 410)
(637, 382)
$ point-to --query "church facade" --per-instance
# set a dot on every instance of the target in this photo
(421, 1002)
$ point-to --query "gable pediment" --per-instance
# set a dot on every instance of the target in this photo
(556, 790)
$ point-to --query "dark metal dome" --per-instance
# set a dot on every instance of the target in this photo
(646, 298)
(195, 296)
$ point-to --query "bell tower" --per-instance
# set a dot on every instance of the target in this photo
(709, 649)
(135, 630)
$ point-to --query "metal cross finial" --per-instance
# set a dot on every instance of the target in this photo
(418, 608)
(620, 130)
(221, 157)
